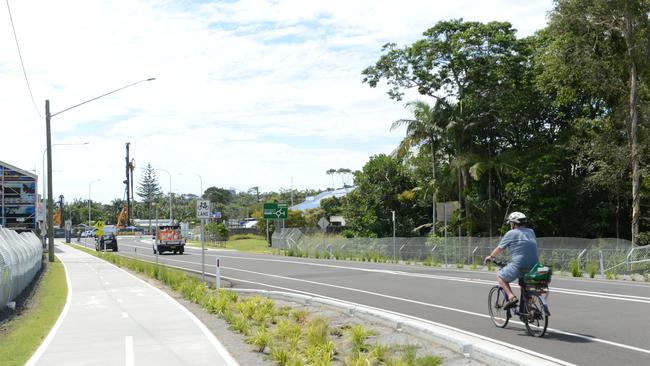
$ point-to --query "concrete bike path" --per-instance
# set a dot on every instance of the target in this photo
(114, 318)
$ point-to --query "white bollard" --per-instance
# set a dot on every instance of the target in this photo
(218, 274)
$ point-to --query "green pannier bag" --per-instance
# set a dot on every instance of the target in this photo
(539, 275)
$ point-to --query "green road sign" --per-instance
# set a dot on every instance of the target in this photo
(276, 211)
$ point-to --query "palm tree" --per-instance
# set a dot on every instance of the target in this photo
(425, 131)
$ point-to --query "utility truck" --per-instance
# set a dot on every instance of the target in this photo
(168, 239)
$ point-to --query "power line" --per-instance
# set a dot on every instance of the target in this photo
(21, 61)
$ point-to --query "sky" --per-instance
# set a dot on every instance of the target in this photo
(247, 93)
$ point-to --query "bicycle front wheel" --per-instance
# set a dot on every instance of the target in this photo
(535, 319)
(496, 302)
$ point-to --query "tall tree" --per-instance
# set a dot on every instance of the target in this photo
(425, 133)
(602, 46)
(148, 188)
(479, 67)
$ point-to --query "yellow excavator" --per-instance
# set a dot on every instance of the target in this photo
(122, 217)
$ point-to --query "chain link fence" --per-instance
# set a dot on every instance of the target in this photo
(20, 261)
(606, 254)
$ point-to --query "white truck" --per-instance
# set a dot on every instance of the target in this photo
(168, 239)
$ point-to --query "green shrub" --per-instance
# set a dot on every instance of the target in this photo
(359, 359)
(428, 361)
(593, 269)
(460, 265)
(240, 325)
(643, 238)
(280, 355)
(575, 269)
(473, 266)
(379, 352)
(358, 336)
(299, 315)
(286, 330)
(316, 332)
(261, 339)
(611, 275)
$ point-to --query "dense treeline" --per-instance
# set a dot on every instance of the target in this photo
(553, 125)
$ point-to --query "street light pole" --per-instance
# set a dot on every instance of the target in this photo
(48, 139)
(89, 185)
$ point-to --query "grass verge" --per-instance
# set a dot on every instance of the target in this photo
(253, 244)
(22, 335)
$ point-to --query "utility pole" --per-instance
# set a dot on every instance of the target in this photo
(128, 187)
(50, 202)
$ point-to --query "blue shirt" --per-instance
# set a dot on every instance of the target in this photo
(522, 244)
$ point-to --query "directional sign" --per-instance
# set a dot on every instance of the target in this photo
(99, 224)
(203, 209)
(275, 211)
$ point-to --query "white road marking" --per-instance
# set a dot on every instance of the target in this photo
(592, 339)
(125, 315)
(602, 295)
(129, 359)
(119, 301)
(567, 291)
(525, 350)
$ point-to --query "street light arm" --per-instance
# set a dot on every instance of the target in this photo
(103, 95)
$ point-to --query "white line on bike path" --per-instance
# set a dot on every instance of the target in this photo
(129, 359)
(588, 338)
(602, 295)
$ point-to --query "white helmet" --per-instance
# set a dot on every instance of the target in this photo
(516, 217)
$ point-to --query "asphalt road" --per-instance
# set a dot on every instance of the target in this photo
(593, 322)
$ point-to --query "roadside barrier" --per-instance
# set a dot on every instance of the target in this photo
(20, 260)
(603, 254)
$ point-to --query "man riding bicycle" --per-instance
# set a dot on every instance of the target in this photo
(522, 243)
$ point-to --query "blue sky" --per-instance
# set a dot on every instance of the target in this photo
(248, 93)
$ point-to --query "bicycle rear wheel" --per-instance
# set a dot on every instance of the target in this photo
(536, 319)
(496, 302)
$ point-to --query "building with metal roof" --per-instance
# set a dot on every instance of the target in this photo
(18, 198)
(314, 202)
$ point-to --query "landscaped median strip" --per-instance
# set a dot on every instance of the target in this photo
(23, 334)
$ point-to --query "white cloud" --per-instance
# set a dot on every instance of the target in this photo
(248, 93)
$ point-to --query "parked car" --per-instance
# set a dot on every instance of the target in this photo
(105, 242)
(88, 233)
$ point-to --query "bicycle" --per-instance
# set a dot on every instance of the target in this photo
(532, 309)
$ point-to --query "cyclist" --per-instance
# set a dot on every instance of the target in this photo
(522, 243)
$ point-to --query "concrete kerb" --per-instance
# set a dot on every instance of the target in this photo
(483, 349)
